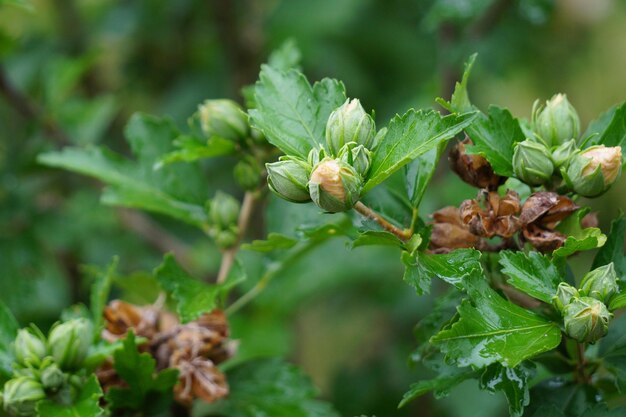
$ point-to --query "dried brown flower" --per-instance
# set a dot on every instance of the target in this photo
(449, 232)
(473, 169)
(495, 217)
(199, 378)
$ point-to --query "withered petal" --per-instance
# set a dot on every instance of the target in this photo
(537, 205)
(542, 239)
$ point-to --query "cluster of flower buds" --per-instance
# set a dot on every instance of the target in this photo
(332, 176)
(553, 150)
(43, 366)
(223, 213)
(585, 314)
(194, 349)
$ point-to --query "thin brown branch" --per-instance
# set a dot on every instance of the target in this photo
(367, 212)
(245, 214)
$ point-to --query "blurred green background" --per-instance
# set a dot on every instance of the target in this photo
(72, 72)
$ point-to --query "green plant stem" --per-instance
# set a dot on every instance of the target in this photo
(228, 255)
(581, 363)
(271, 272)
(367, 212)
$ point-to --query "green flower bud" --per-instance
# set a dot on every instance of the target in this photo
(357, 156)
(69, 343)
(593, 171)
(30, 348)
(227, 238)
(557, 122)
(586, 319)
(52, 378)
(288, 178)
(349, 123)
(223, 118)
(562, 154)
(532, 162)
(21, 396)
(335, 185)
(247, 174)
(564, 295)
(223, 210)
(601, 283)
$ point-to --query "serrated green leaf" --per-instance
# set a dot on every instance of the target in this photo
(531, 273)
(270, 387)
(613, 249)
(440, 386)
(86, 404)
(100, 293)
(138, 370)
(513, 382)
(8, 332)
(490, 329)
(286, 56)
(274, 241)
(193, 297)
(451, 267)
(376, 237)
(578, 238)
(612, 133)
(291, 113)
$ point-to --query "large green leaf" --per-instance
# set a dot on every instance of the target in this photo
(612, 133)
(419, 172)
(440, 386)
(491, 329)
(8, 331)
(178, 190)
(193, 297)
(531, 273)
(513, 382)
(290, 112)
(412, 135)
(613, 249)
(86, 404)
(270, 387)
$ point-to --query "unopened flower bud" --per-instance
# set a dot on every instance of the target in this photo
(223, 210)
(586, 319)
(288, 178)
(52, 378)
(565, 293)
(593, 171)
(601, 283)
(557, 122)
(532, 163)
(223, 118)
(359, 157)
(335, 185)
(562, 154)
(247, 174)
(21, 396)
(349, 123)
(225, 239)
(69, 343)
(29, 348)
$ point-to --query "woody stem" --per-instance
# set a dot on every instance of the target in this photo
(367, 212)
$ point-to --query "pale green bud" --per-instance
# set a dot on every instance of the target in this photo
(557, 122)
(288, 178)
(69, 343)
(586, 319)
(247, 174)
(601, 283)
(591, 172)
(349, 123)
(223, 210)
(532, 162)
(30, 348)
(335, 185)
(21, 395)
(225, 239)
(357, 156)
(564, 295)
(52, 378)
(223, 118)
(562, 154)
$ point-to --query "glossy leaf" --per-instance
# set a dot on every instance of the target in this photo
(613, 249)
(86, 404)
(439, 386)
(410, 136)
(451, 267)
(490, 329)
(291, 113)
(513, 382)
(531, 273)
(578, 238)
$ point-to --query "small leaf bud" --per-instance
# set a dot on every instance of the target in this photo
(288, 178)
(349, 123)
(52, 378)
(335, 185)
(557, 122)
(223, 210)
(223, 118)
(30, 348)
(565, 293)
(591, 172)
(69, 343)
(247, 174)
(601, 283)
(359, 157)
(532, 162)
(21, 396)
(586, 319)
